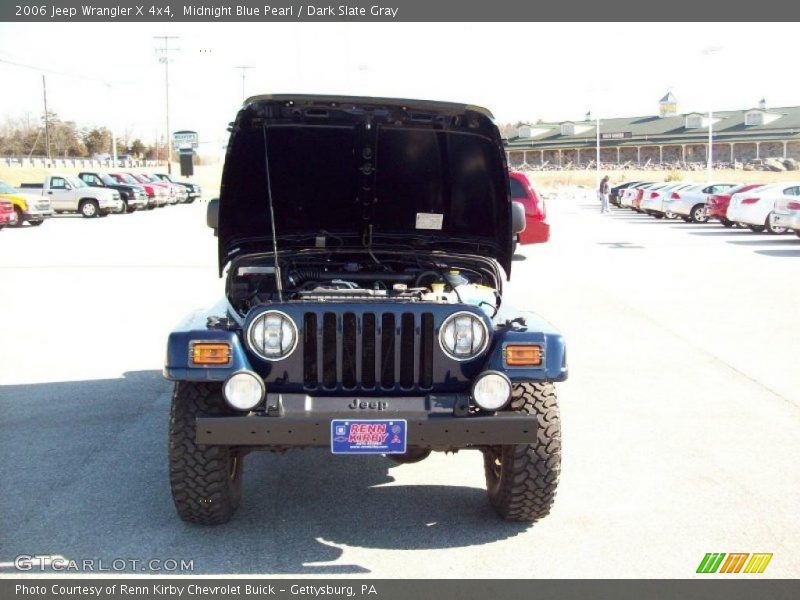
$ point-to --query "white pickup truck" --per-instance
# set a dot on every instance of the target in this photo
(69, 194)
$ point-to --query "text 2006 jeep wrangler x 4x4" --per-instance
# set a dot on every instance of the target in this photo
(366, 242)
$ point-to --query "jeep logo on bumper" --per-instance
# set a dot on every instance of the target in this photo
(357, 404)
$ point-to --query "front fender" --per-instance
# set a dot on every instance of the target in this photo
(195, 328)
(535, 331)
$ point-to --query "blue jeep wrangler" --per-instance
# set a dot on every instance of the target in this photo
(364, 242)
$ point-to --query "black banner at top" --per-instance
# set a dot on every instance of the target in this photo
(162, 11)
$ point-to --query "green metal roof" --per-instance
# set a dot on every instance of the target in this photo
(728, 126)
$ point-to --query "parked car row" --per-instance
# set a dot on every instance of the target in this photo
(91, 194)
(771, 207)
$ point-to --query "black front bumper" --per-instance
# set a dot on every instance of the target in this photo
(434, 421)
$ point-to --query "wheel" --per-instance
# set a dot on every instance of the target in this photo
(726, 223)
(125, 208)
(756, 228)
(659, 215)
(797, 232)
(670, 215)
(206, 481)
(774, 229)
(89, 208)
(36, 223)
(20, 218)
(521, 479)
(698, 214)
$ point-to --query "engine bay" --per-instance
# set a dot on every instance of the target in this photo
(364, 277)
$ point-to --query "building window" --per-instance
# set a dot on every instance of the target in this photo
(694, 122)
(568, 129)
(754, 118)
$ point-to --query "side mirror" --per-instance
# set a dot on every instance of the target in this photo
(517, 217)
(212, 214)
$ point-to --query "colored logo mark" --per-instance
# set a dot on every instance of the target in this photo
(735, 562)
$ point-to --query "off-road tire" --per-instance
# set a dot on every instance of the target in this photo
(521, 480)
(206, 481)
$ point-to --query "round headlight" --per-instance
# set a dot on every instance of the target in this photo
(463, 336)
(243, 390)
(272, 335)
(491, 391)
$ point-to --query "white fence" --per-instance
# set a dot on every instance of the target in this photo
(77, 163)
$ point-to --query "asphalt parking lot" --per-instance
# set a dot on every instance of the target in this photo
(680, 417)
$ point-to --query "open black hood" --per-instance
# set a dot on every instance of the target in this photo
(355, 172)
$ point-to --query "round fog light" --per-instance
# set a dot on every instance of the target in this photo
(243, 390)
(491, 391)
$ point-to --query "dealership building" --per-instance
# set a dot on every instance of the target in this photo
(740, 136)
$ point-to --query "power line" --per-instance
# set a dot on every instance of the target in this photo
(63, 73)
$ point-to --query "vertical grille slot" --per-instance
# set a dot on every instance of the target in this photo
(329, 350)
(368, 351)
(310, 350)
(349, 350)
(426, 351)
(387, 350)
(407, 350)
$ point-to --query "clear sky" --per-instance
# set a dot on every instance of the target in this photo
(519, 71)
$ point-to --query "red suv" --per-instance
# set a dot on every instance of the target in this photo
(717, 204)
(537, 230)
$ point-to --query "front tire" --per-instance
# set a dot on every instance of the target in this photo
(727, 224)
(89, 209)
(206, 481)
(521, 479)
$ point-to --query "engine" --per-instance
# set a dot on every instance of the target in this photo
(253, 282)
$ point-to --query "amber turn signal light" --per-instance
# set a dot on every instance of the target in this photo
(204, 353)
(527, 355)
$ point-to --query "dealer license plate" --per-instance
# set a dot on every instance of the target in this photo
(368, 436)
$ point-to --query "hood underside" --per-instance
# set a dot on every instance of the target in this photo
(364, 172)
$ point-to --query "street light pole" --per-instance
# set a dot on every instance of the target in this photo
(165, 59)
(597, 161)
(710, 165)
(244, 76)
(709, 52)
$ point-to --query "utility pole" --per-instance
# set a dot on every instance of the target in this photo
(46, 120)
(164, 58)
(597, 149)
(244, 75)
